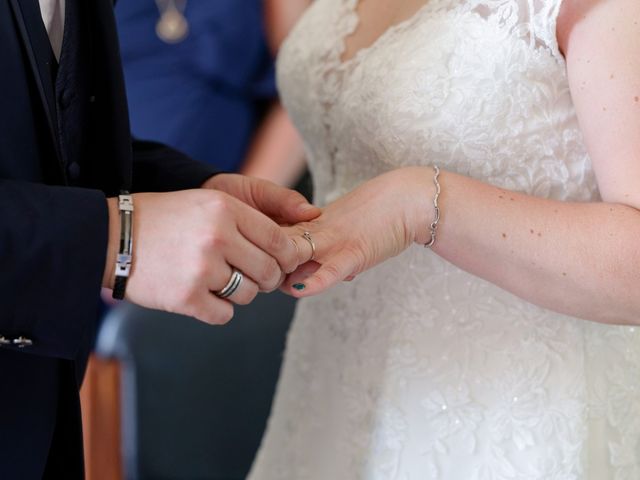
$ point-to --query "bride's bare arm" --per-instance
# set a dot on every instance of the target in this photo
(581, 259)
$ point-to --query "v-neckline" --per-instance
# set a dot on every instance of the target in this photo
(352, 11)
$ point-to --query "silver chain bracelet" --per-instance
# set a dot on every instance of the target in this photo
(433, 227)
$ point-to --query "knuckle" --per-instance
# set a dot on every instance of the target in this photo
(357, 255)
(292, 258)
(332, 270)
(290, 266)
(218, 203)
(213, 236)
(216, 240)
(294, 196)
(276, 240)
(331, 273)
(217, 209)
(270, 274)
(270, 270)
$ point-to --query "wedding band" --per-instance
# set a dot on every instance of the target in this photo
(307, 237)
(232, 285)
(295, 244)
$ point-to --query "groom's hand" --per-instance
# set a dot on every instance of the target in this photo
(284, 206)
(186, 245)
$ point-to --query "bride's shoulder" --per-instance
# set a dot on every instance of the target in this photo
(578, 15)
(570, 12)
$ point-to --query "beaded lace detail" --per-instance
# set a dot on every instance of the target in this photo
(418, 370)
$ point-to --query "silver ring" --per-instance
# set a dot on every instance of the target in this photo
(232, 285)
(295, 244)
(307, 237)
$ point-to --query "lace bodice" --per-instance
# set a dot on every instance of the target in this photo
(418, 370)
(477, 86)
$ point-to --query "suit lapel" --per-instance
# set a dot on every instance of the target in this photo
(45, 89)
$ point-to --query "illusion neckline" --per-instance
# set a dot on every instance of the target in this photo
(352, 13)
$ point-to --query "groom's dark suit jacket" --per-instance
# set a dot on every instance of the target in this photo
(65, 144)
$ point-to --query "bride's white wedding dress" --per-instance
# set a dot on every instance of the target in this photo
(418, 370)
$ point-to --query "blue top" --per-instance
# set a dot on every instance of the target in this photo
(204, 95)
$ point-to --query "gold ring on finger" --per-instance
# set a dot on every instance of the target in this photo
(307, 237)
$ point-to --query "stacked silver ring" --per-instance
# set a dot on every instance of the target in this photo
(307, 237)
(232, 285)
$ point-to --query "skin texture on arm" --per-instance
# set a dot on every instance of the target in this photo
(601, 42)
(280, 17)
(580, 259)
(276, 153)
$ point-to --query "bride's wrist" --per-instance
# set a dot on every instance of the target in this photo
(422, 203)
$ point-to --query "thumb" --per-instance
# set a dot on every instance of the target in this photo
(302, 273)
(283, 205)
(333, 271)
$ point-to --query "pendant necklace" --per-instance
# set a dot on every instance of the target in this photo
(172, 27)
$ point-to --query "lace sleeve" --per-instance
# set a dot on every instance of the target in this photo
(544, 22)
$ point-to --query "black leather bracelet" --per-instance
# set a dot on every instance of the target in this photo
(123, 262)
(119, 287)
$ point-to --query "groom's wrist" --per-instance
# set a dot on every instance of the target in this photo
(108, 277)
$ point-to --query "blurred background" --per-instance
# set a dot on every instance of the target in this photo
(166, 397)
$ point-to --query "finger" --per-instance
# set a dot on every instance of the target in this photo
(303, 249)
(212, 310)
(303, 272)
(246, 292)
(267, 236)
(307, 248)
(294, 233)
(301, 275)
(254, 263)
(298, 252)
(332, 271)
(283, 205)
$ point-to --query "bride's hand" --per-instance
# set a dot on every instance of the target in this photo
(372, 223)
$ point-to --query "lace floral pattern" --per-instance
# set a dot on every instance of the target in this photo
(418, 370)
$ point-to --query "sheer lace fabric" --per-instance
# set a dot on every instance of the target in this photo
(418, 370)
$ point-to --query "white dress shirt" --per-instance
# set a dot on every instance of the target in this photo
(53, 18)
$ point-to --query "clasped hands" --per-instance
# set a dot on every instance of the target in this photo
(187, 244)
